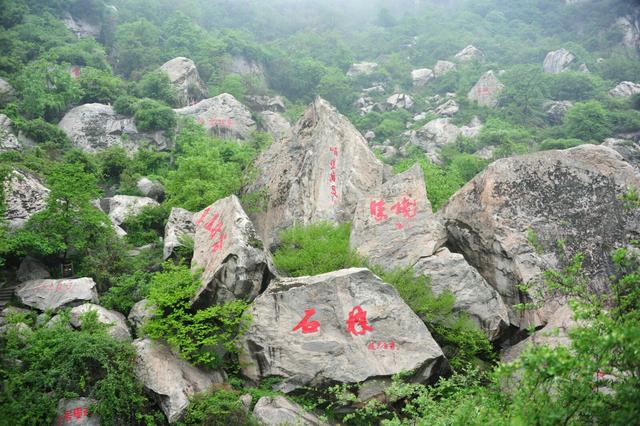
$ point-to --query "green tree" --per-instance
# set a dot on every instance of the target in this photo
(337, 88)
(99, 86)
(523, 94)
(137, 47)
(587, 121)
(156, 85)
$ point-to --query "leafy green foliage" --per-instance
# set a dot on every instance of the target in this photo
(152, 115)
(218, 408)
(147, 226)
(202, 336)
(156, 85)
(99, 86)
(126, 291)
(588, 121)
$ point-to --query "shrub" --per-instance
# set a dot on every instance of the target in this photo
(125, 105)
(99, 86)
(147, 226)
(587, 121)
(126, 291)
(559, 144)
(41, 132)
(217, 408)
(152, 115)
(156, 85)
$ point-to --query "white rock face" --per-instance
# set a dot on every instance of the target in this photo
(7, 93)
(469, 53)
(448, 109)
(443, 68)
(266, 103)
(487, 90)
(140, 313)
(53, 294)
(394, 225)
(558, 61)
(81, 28)
(626, 89)
(246, 67)
(630, 26)
(421, 77)
(24, 196)
(571, 195)
(180, 224)
(344, 326)
(8, 141)
(399, 100)
(275, 124)
(185, 79)
(31, 269)
(170, 379)
(120, 207)
(223, 116)
(473, 295)
(78, 410)
(95, 127)
(228, 249)
(362, 68)
(279, 411)
(151, 188)
(434, 135)
(317, 174)
(118, 328)
(556, 110)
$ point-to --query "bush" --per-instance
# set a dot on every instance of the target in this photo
(113, 161)
(202, 336)
(572, 86)
(156, 85)
(99, 86)
(587, 121)
(42, 132)
(559, 144)
(217, 408)
(126, 291)
(315, 249)
(147, 226)
(152, 115)
(125, 105)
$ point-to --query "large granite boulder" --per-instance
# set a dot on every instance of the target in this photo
(8, 140)
(170, 379)
(76, 412)
(185, 79)
(246, 67)
(448, 108)
(434, 135)
(56, 293)
(7, 93)
(626, 89)
(279, 411)
(421, 77)
(510, 220)
(394, 226)
(469, 53)
(443, 68)
(487, 90)
(629, 150)
(266, 103)
(399, 100)
(24, 196)
(275, 124)
(179, 225)
(317, 173)
(118, 324)
(140, 313)
(345, 326)
(473, 295)
(81, 27)
(556, 110)
(554, 334)
(150, 188)
(228, 249)
(31, 269)
(362, 68)
(558, 61)
(630, 26)
(223, 116)
(95, 127)
(121, 207)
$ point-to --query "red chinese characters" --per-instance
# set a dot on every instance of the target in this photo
(405, 209)
(390, 346)
(306, 325)
(214, 227)
(227, 123)
(358, 318)
(77, 412)
(57, 287)
(377, 210)
(332, 174)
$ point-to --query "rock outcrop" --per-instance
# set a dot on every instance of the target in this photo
(440, 132)
(24, 196)
(95, 127)
(228, 249)
(275, 124)
(279, 411)
(473, 295)
(362, 68)
(121, 207)
(7, 93)
(81, 27)
(630, 26)
(223, 116)
(556, 110)
(76, 412)
(558, 61)
(447, 109)
(150, 188)
(8, 140)
(421, 77)
(629, 150)
(54, 294)
(316, 174)
(266, 103)
(170, 379)
(487, 90)
(118, 324)
(31, 269)
(344, 326)
(443, 68)
(399, 100)
(626, 89)
(140, 313)
(179, 225)
(394, 226)
(185, 79)
(469, 53)
(509, 220)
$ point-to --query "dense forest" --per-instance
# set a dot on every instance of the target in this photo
(454, 179)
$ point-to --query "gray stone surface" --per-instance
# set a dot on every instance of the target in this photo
(32, 269)
(55, 293)
(140, 313)
(227, 247)
(630, 26)
(357, 328)
(95, 127)
(296, 173)
(399, 100)
(121, 207)
(558, 61)
(170, 379)
(266, 103)
(556, 110)
(394, 226)
(440, 132)
(76, 412)
(473, 295)
(24, 195)
(469, 53)
(185, 79)
(275, 124)
(179, 225)
(8, 141)
(443, 68)
(279, 411)
(118, 324)
(422, 76)
(629, 150)
(7, 93)
(81, 27)
(362, 68)
(571, 196)
(487, 90)
(223, 116)
(626, 89)
(151, 188)
(448, 109)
